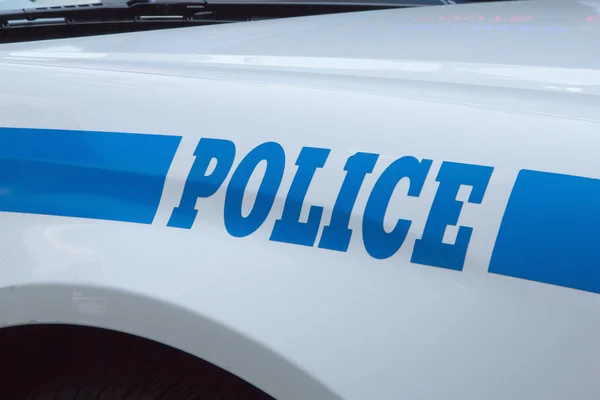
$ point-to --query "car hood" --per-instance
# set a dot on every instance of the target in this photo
(541, 45)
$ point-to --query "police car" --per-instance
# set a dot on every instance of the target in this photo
(300, 200)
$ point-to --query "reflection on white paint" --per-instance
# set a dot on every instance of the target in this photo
(53, 235)
(86, 304)
(564, 76)
(51, 253)
(49, 54)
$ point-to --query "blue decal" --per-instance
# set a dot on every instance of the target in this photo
(379, 243)
(199, 184)
(336, 236)
(288, 228)
(445, 210)
(99, 175)
(551, 231)
(236, 224)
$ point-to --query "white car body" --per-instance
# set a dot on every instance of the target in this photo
(487, 289)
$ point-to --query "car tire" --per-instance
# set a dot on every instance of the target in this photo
(137, 369)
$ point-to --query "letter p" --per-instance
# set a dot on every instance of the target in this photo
(198, 183)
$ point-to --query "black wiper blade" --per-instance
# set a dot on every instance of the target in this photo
(133, 9)
(155, 14)
(116, 10)
(258, 9)
(340, 3)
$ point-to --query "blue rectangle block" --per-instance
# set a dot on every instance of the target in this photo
(551, 231)
(101, 175)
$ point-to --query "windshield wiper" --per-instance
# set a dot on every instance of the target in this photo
(118, 15)
(99, 12)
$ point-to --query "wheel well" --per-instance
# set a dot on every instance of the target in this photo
(35, 354)
(142, 315)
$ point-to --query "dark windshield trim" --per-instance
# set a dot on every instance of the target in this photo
(134, 15)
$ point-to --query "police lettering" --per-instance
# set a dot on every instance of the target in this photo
(429, 249)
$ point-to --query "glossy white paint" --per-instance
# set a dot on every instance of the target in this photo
(300, 322)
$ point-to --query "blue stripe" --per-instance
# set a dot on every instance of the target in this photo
(551, 231)
(100, 175)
